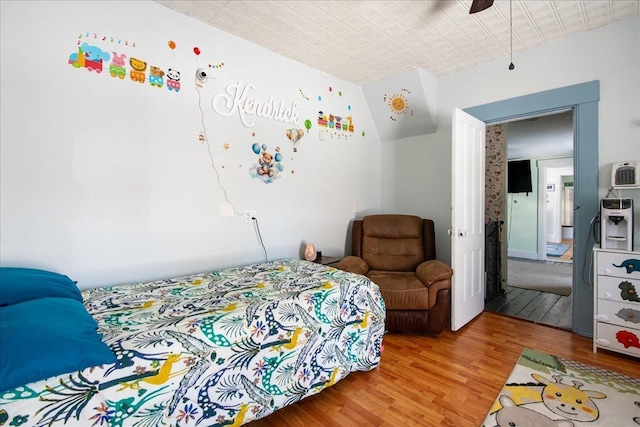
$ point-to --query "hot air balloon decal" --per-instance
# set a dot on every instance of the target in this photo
(294, 136)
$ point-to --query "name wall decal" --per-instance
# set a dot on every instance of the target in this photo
(237, 99)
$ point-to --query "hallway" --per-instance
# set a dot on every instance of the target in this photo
(539, 307)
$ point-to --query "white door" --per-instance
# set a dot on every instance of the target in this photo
(467, 219)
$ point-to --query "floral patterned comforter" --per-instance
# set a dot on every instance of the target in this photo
(213, 349)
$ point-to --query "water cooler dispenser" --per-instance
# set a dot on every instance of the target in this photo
(616, 224)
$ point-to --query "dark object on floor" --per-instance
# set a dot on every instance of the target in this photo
(492, 260)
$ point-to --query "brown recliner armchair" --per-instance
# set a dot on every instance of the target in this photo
(397, 252)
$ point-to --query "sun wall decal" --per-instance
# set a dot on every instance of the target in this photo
(398, 103)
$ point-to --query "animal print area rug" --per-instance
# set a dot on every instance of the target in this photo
(545, 390)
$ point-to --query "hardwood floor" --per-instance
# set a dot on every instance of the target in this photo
(540, 307)
(451, 380)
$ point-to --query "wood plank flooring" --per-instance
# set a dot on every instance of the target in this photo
(540, 307)
(451, 380)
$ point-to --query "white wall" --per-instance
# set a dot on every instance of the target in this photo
(106, 180)
(421, 182)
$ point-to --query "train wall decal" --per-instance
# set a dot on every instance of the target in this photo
(97, 60)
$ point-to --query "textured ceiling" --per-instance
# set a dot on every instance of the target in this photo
(366, 41)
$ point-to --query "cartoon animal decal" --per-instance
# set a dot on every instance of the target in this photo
(266, 164)
(89, 57)
(116, 69)
(629, 315)
(350, 119)
(138, 68)
(156, 76)
(322, 119)
(268, 167)
(173, 80)
(628, 339)
(514, 415)
(631, 265)
(628, 292)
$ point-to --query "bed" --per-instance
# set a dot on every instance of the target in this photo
(217, 348)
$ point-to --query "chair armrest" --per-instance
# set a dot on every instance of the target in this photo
(433, 271)
(353, 264)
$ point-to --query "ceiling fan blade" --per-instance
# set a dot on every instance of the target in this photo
(480, 5)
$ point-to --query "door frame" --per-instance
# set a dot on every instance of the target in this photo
(583, 98)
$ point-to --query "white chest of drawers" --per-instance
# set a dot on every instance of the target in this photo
(617, 301)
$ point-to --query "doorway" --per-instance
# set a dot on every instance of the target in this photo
(536, 243)
(583, 98)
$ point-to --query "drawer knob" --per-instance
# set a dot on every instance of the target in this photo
(602, 342)
(601, 317)
(607, 271)
(607, 295)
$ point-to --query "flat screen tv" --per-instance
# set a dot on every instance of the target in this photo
(519, 176)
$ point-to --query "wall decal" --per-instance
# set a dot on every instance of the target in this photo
(269, 166)
(104, 38)
(156, 76)
(236, 100)
(220, 65)
(89, 57)
(336, 122)
(116, 68)
(173, 80)
(94, 57)
(139, 67)
(307, 125)
(295, 135)
(196, 50)
(303, 95)
(398, 103)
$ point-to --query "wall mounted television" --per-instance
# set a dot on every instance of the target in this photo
(519, 176)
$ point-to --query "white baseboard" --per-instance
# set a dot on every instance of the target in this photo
(522, 254)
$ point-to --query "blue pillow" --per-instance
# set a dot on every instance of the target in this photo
(46, 337)
(24, 284)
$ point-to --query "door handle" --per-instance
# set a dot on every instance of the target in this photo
(462, 233)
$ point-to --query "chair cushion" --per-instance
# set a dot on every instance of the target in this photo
(400, 290)
(392, 242)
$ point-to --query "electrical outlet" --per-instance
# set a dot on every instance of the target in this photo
(249, 216)
(356, 207)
